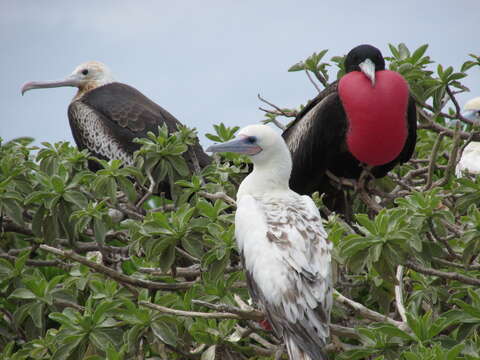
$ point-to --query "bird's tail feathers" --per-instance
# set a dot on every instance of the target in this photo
(295, 353)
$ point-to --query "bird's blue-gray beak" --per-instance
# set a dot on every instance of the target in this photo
(242, 145)
(368, 68)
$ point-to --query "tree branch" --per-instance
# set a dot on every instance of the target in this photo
(399, 294)
(218, 195)
(443, 274)
(152, 285)
(366, 312)
(281, 111)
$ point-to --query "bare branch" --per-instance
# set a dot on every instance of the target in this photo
(205, 315)
(457, 265)
(153, 285)
(433, 157)
(218, 195)
(366, 312)
(281, 111)
(443, 274)
(399, 294)
(432, 125)
(313, 82)
(149, 192)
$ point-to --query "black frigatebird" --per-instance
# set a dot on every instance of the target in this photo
(366, 119)
(105, 116)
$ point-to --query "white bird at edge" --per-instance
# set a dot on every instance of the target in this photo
(283, 245)
(470, 160)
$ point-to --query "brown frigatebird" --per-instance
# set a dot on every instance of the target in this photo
(105, 116)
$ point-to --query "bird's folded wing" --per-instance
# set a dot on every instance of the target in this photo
(128, 108)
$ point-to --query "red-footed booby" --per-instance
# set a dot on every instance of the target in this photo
(283, 245)
(367, 118)
(105, 116)
(470, 160)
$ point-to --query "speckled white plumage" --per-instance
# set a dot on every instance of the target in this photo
(285, 249)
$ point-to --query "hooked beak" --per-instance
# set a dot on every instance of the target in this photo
(72, 80)
(368, 68)
(240, 145)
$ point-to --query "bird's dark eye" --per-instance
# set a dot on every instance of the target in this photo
(85, 71)
(251, 139)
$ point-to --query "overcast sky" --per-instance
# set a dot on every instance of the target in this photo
(206, 61)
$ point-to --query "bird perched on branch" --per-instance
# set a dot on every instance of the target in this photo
(470, 160)
(105, 116)
(283, 245)
(366, 119)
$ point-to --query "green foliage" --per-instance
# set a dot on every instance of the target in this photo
(81, 253)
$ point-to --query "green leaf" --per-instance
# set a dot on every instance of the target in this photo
(165, 332)
(22, 293)
(36, 313)
(100, 230)
(13, 210)
(76, 197)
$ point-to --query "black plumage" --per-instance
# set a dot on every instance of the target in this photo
(317, 136)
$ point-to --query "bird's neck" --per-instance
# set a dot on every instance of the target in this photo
(265, 179)
(89, 86)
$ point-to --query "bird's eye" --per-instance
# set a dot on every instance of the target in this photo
(85, 71)
(251, 139)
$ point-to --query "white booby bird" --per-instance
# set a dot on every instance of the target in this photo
(283, 245)
(470, 160)
(105, 116)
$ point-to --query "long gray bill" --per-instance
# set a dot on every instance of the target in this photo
(239, 146)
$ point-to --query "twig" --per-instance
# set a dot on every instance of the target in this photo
(238, 314)
(281, 111)
(452, 161)
(444, 241)
(205, 315)
(443, 274)
(458, 110)
(433, 157)
(313, 82)
(218, 195)
(193, 270)
(38, 263)
(224, 308)
(366, 312)
(186, 255)
(152, 285)
(149, 191)
(273, 120)
(432, 125)
(457, 265)
(399, 294)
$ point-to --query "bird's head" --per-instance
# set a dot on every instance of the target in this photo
(85, 77)
(365, 58)
(264, 145)
(471, 110)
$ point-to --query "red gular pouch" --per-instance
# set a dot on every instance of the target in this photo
(376, 115)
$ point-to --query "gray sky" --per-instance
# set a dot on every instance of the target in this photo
(205, 61)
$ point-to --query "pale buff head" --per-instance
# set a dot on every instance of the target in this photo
(85, 77)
